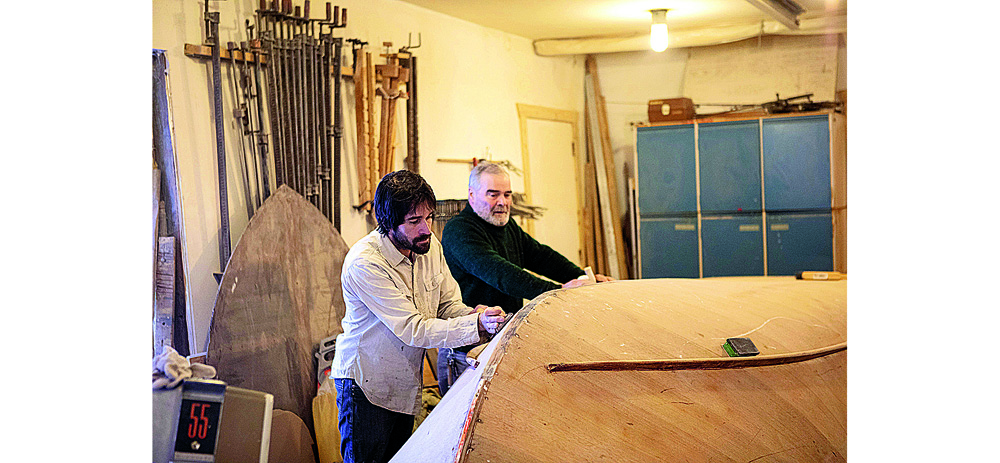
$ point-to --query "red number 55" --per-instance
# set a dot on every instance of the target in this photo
(194, 428)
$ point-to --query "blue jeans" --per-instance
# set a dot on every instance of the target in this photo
(368, 433)
(450, 365)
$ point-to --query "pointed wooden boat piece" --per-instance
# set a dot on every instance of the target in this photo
(279, 297)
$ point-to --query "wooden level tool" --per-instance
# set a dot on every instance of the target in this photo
(832, 276)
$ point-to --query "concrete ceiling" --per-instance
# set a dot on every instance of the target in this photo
(562, 19)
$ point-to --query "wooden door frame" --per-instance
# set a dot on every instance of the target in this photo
(541, 113)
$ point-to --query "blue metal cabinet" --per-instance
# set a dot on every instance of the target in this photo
(718, 180)
(669, 247)
(799, 242)
(729, 161)
(732, 245)
(796, 163)
(666, 169)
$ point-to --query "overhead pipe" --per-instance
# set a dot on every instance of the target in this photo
(689, 38)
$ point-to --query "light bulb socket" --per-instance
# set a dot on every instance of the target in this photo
(659, 15)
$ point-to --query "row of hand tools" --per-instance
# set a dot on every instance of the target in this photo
(303, 89)
(285, 82)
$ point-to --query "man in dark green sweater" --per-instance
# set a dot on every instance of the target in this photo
(489, 255)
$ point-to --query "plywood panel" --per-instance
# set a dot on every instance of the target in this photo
(280, 296)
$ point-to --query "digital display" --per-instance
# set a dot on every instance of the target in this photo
(198, 426)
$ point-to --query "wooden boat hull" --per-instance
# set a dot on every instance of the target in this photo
(648, 379)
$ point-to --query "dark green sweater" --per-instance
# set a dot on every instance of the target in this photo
(489, 261)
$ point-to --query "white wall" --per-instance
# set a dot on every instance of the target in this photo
(470, 80)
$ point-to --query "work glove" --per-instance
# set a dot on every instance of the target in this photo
(170, 368)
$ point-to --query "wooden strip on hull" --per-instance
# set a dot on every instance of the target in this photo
(521, 412)
(279, 297)
(697, 364)
(689, 415)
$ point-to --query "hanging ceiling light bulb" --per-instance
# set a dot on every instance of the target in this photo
(658, 31)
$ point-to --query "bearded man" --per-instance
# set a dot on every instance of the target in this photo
(490, 256)
(400, 299)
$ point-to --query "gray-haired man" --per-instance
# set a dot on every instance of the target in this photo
(489, 255)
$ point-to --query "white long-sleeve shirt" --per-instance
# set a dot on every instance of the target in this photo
(395, 310)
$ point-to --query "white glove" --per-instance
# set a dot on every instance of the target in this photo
(170, 368)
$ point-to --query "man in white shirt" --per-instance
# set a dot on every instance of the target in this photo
(400, 299)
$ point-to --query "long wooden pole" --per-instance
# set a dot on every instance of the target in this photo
(373, 161)
(402, 76)
(605, 198)
(609, 172)
(383, 132)
(361, 120)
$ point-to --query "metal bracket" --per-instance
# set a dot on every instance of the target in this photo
(409, 42)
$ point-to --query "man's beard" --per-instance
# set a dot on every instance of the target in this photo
(498, 215)
(420, 245)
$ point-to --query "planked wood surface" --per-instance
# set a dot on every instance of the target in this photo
(279, 297)
(788, 404)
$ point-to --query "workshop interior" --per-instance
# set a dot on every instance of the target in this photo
(693, 152)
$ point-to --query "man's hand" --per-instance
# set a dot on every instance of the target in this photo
(585, 280)
(479, 308)
(490, 318)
